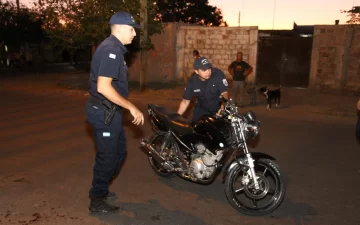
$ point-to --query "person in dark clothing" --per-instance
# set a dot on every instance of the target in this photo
(206, 85)
(239, 70)
(108, 97)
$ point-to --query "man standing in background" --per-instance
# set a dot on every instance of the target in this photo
(239, 70)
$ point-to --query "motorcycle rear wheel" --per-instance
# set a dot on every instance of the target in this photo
(156, 140)
(249, 201)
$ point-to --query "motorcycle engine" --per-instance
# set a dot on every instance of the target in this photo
(203, 162)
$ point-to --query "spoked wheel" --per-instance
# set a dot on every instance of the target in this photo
(157, 140)
(242, 194)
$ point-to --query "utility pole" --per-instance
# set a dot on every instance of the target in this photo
(18, 5)
(239, 19)
(143, 42)
(274, 14)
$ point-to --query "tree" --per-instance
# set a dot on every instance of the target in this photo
(354, 15)
(192, 12)
(75, 24)
(18, 27)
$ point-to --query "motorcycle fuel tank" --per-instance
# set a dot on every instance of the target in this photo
(209, 131)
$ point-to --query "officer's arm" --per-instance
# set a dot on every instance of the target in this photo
(184, 104)
(105, 88)
(111, 62)
(188, 94)
(223, 87)
(226, 96)
(358, 104)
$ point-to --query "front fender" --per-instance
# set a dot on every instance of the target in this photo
(240, 158)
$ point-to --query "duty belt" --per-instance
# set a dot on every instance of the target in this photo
(100, 102)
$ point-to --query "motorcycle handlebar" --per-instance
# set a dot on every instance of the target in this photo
(223, 99)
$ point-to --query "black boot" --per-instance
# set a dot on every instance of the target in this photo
(111, 195)
(99, 205)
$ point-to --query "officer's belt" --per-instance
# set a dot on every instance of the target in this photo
(100, 102)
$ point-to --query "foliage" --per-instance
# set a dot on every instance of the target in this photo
(354, 15)
(192, 12)
(16, 28)
(79, 23)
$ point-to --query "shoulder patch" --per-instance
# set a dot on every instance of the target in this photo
(113, 56)
(225, 82)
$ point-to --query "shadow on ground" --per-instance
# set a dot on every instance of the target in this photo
(298, 211)
(139, 214)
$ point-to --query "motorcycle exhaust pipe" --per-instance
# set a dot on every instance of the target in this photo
(148, 149)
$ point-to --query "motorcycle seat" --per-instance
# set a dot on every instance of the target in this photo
(174, 120)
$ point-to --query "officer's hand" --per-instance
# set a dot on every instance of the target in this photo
(138, 116)
(219, 113)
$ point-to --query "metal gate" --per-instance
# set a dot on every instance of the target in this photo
(284, 61)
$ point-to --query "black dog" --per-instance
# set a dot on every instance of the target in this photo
(271, 95)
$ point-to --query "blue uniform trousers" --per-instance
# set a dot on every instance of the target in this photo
(110, 142)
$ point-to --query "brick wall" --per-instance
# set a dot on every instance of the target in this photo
(172, 60)
(161, 61)
(336, 58)
(219, 44)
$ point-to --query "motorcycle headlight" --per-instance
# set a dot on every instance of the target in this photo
(252, 129)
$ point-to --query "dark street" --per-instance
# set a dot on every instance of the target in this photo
(47, 154)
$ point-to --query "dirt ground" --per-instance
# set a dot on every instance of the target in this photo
(47, 153)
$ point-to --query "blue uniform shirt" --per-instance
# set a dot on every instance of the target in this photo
(108, 61)
(208, 91)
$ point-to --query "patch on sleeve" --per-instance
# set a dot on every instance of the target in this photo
(225, 82)
(113, 56)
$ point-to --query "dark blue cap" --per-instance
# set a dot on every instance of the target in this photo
(123, 18)
(202, 63)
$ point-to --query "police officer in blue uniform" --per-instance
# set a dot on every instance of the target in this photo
(108, 97)
(207, 84)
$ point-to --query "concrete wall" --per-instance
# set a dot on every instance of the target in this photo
(336, 58)
(219, 44)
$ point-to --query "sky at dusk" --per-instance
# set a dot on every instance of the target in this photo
(303, 12)
(261, 13)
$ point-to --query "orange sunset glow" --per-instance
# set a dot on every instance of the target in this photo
(279, 14)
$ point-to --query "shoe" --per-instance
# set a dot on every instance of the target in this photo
(99, 205)
(111, 195)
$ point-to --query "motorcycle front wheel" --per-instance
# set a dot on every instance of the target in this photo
(242, 195)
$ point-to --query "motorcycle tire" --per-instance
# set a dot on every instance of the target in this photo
(154, 165)
(233, 195)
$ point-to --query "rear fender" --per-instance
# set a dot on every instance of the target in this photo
(241, 159)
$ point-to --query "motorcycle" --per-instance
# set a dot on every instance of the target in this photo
(197, 152)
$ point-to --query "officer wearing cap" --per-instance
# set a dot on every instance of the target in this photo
(206, 85)
(108, 97)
